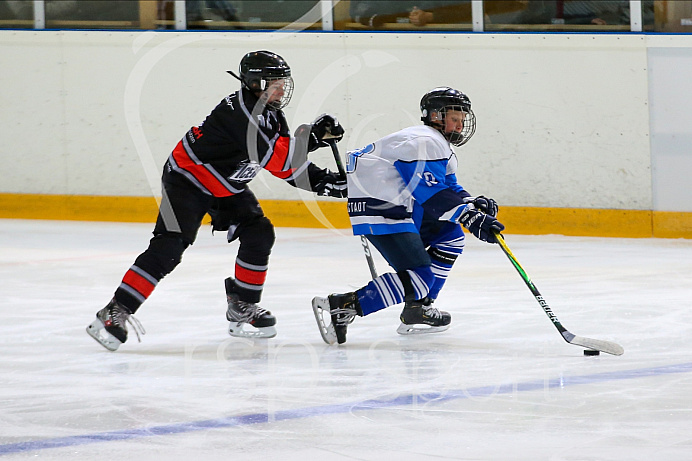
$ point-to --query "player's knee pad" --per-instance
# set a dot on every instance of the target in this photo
(444, 256)
(416, 282)
(164, 253)
(256, 236)
(451, 242)
(447, 249)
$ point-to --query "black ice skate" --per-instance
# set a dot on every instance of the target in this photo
(419, 317)
(241, 313)
(342, 310)
(110, 327)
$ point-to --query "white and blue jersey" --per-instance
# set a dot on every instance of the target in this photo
(391, 179)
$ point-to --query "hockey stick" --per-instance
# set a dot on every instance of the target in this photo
(594, 344)
(363, 240)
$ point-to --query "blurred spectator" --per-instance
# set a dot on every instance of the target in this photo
(199, 10)
(615, 12)
(419, 13)
(14, 9)
(207, 14)
(73, 10)
(91, 10)
(455, 13)
(279, 11)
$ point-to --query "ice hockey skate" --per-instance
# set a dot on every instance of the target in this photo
(241, 314)
(419, 317)
(341, 310)
(110, 327)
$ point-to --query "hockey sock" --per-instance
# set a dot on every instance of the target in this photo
(443, 255)
(163, 255)
(390, 289)
(135, 288)
(249, 280)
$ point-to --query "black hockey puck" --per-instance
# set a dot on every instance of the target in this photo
(591, 352)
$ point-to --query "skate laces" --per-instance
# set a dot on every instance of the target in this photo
(431, 312)
(250, 311)
(344, 316)
(120, 317)
(136, 326)
(345, 312)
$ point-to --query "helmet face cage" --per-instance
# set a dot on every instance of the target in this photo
(438, 101)
(260, 68)
(462, 137)
(287, 89)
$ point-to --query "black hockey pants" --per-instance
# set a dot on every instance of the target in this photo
(182, 209)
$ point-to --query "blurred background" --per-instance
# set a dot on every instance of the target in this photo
(490, 15)
(584, 109)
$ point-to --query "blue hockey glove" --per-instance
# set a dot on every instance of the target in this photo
(485, 204)
(480, 224)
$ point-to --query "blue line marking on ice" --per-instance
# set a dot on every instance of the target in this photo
(308, 412)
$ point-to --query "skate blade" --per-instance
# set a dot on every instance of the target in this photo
(340, 331)
(238, 330)
(97, 330)
(320, 307)
(419, 329)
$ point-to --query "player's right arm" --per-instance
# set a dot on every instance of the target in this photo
(426, 182)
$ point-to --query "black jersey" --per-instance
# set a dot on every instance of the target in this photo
(227, 151)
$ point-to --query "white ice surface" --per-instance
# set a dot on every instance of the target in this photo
(500, 384)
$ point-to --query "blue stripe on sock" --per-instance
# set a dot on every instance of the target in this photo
(373, 299)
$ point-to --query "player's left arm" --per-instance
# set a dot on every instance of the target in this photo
(289, 159)
(485, 204)
(426, 181)
(479, 214)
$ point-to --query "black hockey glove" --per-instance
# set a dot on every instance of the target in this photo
(480, 224)
(331, 185)
(325, 127)
(484, 204)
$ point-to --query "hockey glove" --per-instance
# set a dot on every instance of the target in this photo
(484, 204)
(331, 185)
(480, 224)
(325, 127)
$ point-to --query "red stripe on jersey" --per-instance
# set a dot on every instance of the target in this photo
(282, 174)
(139, 283)
(279, 155)
(249, 276)
(201, 174)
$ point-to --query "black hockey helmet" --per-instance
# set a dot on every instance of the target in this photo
(437, 102)
(258, 68)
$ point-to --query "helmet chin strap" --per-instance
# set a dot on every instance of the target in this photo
(437, 124)
(440, 127)
(233, 74)
(257, 93)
